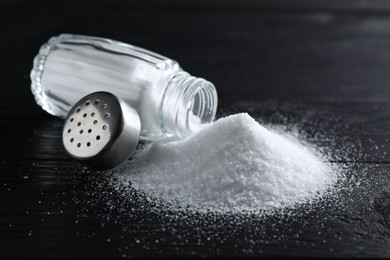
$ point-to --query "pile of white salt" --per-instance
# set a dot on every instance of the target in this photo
(233, 165)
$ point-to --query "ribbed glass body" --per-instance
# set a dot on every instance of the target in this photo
(168, 100)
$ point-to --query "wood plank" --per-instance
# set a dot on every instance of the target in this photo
(86, 217)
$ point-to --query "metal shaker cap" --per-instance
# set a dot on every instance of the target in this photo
(101, 130)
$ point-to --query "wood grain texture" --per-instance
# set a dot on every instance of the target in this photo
(321, 68)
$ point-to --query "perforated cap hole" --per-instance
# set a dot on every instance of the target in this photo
(79, 144)
(105, 127)
(97, 101)
(98, 137)
(69, 130)
(88, 144)
(104, 106)
(71, 140)
(93, 114)
(78, 109)
(81, 131)
(89, 131)
(79, 124)
(87, 103)
(85, 115)
(72, 119)
(95, 122)
(107, 115)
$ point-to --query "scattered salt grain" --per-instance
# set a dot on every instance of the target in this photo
(234, 165)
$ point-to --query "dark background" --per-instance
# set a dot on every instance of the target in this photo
(322, 66)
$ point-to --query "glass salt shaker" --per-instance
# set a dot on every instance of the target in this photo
(169, 101)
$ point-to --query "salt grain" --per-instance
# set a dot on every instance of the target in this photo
(234, 165)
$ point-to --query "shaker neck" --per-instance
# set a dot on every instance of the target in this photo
(189, 103)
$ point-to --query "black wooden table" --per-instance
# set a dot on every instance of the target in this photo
(323, 69)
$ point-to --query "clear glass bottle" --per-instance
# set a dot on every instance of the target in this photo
(169, 101)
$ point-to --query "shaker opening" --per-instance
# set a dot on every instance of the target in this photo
(202, 107)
